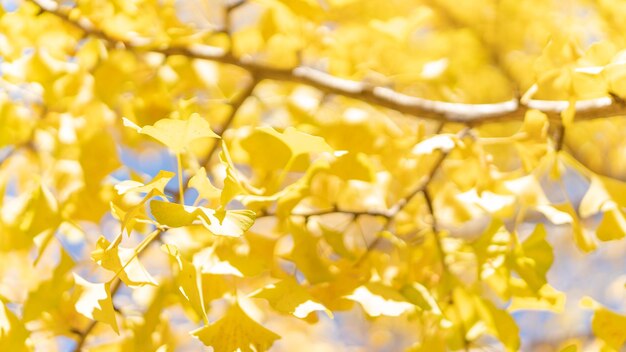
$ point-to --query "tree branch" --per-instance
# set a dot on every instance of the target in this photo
(402, 203)
(514, 109)
(235, 104)
(442, 258)
(335, 210)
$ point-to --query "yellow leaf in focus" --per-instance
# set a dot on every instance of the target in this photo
(157, 184)
(232, 185)
(236, 331)
(176, 134)
(230, 223)
(201, 183)
(272, 150)
(123, 262)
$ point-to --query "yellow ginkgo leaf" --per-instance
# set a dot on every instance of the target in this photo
(499, 323)
(378, 299)
(288, 297)
(232, 185)
(189, 280)
(136, 214)
(421, 297)
(236, 331)
(41, 213)
(123, 262)
(335, 240)
(613, 226)
(201, 183)
(272, 150)
(352, 166)
(596, 200)
(176, 134)
(40, 218)
(157, 184)
(231, 223)
(49, 292)
(583, 238)
(548, 298)
(607, 325)
(95, 301)
(306, 255)
(299, 142)
(208, 262)
(13, 334)
(534, 259)
(265, 150)
(173, 214)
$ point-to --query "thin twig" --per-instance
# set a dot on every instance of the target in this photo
(115, 286)
(402, 203)
(235, 104)
(442, 257)
(333, 210)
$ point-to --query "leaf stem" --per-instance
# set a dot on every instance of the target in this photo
(181, 196)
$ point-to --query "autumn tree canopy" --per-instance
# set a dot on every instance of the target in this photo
(236, 174)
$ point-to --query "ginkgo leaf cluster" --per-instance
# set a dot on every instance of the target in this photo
(235, 175)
